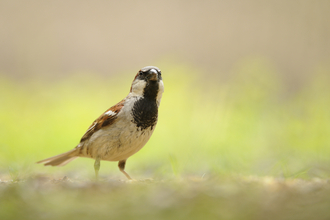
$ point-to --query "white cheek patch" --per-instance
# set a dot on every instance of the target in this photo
(110, 113)
(160, 91)
(138, 87)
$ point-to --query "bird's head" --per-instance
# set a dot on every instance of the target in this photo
(148, 83)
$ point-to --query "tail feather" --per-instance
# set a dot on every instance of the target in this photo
(61, 159)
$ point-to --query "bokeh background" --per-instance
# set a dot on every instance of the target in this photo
(246, 84)
(244, 124)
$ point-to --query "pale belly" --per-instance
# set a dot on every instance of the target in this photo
(116, 142)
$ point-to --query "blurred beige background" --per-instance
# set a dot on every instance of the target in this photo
(56, 38)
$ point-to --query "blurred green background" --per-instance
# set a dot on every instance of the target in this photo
(246, 125)
(246, 85)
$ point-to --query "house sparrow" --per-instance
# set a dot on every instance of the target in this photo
(123, 129)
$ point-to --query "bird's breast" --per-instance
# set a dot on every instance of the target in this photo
(145, 113)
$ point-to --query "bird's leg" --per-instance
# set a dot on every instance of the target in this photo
(121, 166)
(97, 167)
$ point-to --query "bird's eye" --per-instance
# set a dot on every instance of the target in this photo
(160, 73)
(141, 73)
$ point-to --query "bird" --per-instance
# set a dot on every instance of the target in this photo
(123, 129)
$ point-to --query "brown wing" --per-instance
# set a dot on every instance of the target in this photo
(106, 119)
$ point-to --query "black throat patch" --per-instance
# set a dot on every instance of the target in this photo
(145, 110)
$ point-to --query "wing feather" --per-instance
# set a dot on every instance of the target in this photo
(106, 119)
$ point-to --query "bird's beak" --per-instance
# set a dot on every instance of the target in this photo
(153, 75)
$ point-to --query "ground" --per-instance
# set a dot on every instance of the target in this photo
(231, 197)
